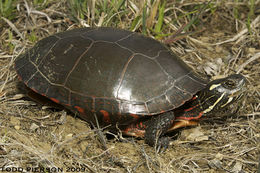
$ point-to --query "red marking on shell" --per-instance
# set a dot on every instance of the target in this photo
(162, 111)
(34, 90)
(55, 100)
(66, 104)
(134, 116)
(105, 115)
(194, 97)
(19, 77)
(119, 115)
(81, 110)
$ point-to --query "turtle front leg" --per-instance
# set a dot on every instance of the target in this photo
(156, 128)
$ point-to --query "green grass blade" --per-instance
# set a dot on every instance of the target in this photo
(144, 19)
(158, 25)
(250, 14)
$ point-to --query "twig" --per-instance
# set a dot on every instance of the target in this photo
(253, 114)
(13, 27)
(255, 23)
(32, 11)
(253, 58)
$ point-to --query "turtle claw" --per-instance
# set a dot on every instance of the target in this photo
(162, 144)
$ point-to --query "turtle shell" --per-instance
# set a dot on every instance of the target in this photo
(114, 73)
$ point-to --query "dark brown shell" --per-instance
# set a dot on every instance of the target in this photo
(108, 71)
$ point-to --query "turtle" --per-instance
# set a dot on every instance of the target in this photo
(124, 80)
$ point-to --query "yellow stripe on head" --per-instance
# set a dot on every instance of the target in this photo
(229, 100)
(214, 86)
(212, 106)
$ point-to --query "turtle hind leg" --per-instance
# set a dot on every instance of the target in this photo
(157, 126)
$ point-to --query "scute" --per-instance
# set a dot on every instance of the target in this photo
(59, 94)
(172, 65)
(41, 49)
(61, 58)
(142, 45)
(136, 108)
(98, 72)
(143, 80)
(159, 104)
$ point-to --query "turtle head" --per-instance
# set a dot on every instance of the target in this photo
(221, 92)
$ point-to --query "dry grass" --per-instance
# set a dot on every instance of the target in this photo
(33, 136)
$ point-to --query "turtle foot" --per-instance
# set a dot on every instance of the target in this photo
(162, 144)
(157, 127)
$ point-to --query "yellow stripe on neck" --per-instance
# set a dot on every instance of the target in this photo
(229, 100)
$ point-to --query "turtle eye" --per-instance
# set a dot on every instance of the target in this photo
(230, 83)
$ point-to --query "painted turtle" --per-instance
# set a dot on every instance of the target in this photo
(123, 79)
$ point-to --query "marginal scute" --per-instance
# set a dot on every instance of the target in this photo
(82, 101)
(109, 105)
(133, 108)
(21, 61)
(186, 82)
(107, 111)
(60, 93)
(106, 116)
(25, 69)
(160, 103)
(177, 97)
(198, 79)
(39, 83)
